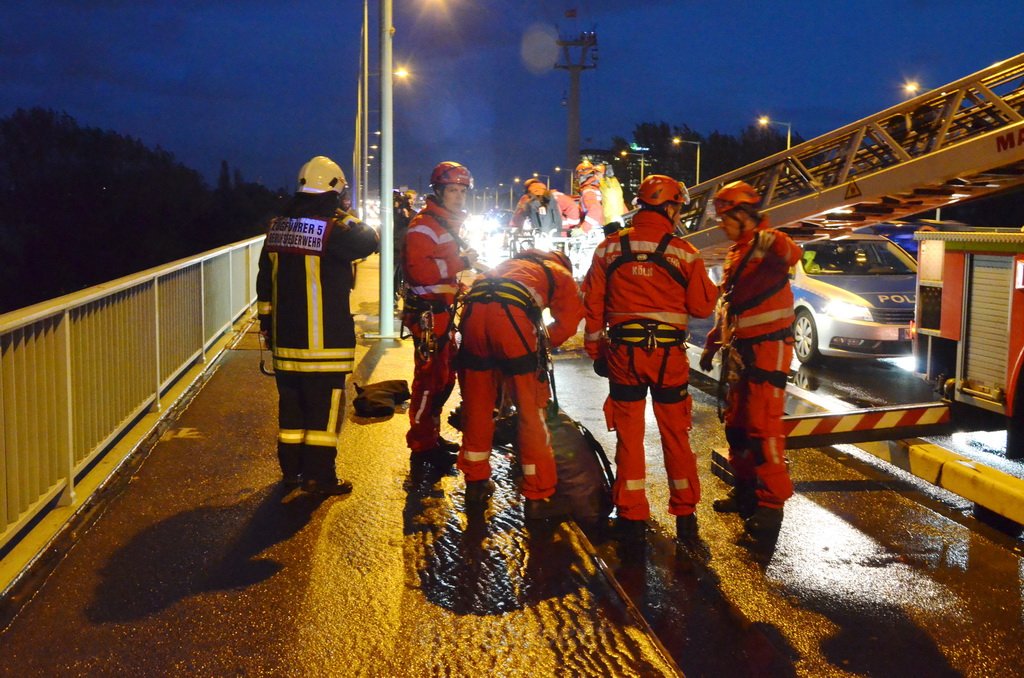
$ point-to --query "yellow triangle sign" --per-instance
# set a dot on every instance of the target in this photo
(852, 191)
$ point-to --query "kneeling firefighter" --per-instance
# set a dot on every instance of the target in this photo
(302, 290)
(754, 329)
(639, 293)
(505, 343)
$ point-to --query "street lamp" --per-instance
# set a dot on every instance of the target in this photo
(911, 88)
(679, 140)
(537, 175)
(624, 153)
(764, 121)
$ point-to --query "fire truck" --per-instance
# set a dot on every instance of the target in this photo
(970, 321)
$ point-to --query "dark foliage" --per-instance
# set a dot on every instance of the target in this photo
(80, 206)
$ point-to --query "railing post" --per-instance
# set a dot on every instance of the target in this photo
(67, 497)
(156, 339)
(202, 307)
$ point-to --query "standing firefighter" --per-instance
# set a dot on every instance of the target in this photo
(504, 341)
(754, 331)
(589, 176)
(434, 257)
(303, 286)
(642, 287)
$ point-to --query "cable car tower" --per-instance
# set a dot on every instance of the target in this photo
(578, 54)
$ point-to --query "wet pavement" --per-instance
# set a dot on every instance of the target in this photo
(198, 563)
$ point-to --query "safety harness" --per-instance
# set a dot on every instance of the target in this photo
(419, 311)
(738, 353)
(643, 333)
(512, 293)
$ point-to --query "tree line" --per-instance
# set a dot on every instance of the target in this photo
(80, 206)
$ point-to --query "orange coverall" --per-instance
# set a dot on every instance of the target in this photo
(760, 315)
(645, 311)
(500, 346)
(431, 264)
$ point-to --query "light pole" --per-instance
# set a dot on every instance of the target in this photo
(764, 121)
(679, 140)
(624, 153)
(537, 175)
(387, 216)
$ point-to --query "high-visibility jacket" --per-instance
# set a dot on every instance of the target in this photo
(520, 212)
(432, 261)
(642, 289)
(304, 282)
(569, 207)
(591, 207)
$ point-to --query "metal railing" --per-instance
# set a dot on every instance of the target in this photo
(77, 371)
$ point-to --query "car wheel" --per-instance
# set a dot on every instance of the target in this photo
(806, 336)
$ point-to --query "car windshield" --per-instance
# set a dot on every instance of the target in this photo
(856, 257)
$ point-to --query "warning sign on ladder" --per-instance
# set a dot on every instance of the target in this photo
(852, 191)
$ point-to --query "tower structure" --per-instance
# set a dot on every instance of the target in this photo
(578, 54)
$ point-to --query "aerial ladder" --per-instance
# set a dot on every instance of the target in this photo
(956, 143)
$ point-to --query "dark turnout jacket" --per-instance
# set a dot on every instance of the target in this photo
(304, 282)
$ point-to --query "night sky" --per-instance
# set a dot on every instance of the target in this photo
(265, 85)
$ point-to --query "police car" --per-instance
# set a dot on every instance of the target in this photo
(854, 297)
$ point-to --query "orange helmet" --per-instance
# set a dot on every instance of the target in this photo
(449, 172)
(536, 187)
(659, 189)
(731, 196)
(585, 172)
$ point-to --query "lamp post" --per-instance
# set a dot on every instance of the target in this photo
(387, 217)
(764, 121)
(547, 177)
(624, 153)
(679, 140)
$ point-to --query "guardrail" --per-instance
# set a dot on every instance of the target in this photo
(77, 371)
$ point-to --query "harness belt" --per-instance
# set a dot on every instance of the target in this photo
(415, 304)
(648, 334)
(502, 291)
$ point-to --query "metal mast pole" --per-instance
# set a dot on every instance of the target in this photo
(387, 215)
(364, 168)
(586, 42)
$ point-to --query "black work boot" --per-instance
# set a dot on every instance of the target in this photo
(741, 499)
(765, 522)
(479, 491)
(543, 509)
(686, 528)
(327, 488)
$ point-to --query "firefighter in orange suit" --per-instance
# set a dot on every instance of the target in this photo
(589, 178)
(641, 289)
(754, 325)
(504, 341)
(434, 256)
(302, 291)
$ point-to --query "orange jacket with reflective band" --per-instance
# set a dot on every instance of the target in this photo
(564, 300)
(591, 208)
(763, 271)
(432, 259)
(569, 208)
(644, 290)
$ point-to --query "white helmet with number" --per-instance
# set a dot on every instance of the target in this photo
(319, 175)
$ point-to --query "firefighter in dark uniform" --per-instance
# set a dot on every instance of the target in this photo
(305, 278)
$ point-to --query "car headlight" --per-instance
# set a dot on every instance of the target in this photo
(842, 310)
